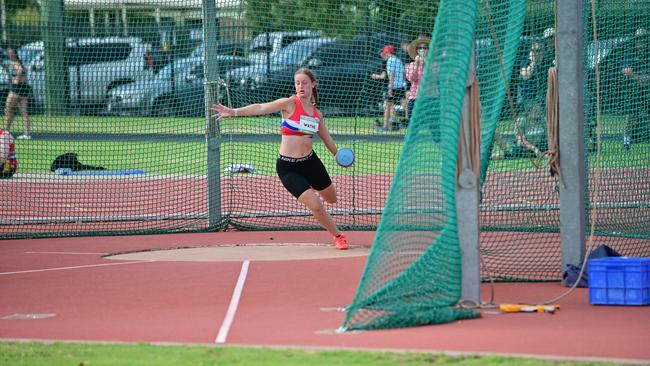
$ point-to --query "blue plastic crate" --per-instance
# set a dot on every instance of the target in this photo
(619, 281)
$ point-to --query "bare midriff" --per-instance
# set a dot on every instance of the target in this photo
(295, 146)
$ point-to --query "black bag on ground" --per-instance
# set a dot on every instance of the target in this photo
(571, 272)
(71, 161)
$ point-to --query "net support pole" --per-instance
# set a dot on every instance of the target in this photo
(54, 45)
(3, 20)
(213, 135)
(467, 202)
(571, 130)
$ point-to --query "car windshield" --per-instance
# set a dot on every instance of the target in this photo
(604, 47)
(165, 73)
(26, 55)
(198, 52)
(176, 67)
(296, 52)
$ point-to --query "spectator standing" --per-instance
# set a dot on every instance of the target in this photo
(18, 94)
(404, 46)
(418, 50)
(396, 86)
(636, 70)
(549, 44)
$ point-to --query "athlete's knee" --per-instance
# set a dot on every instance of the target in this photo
(331, 199)
(328, 194)
(318, 209)
(315, 206)
(309, 199)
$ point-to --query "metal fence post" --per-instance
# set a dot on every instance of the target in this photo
(56, 69)
(571, 124)
(467, 202)
(213, 133)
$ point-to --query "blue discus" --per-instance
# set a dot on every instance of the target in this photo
(345, 157)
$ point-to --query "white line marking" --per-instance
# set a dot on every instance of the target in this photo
(76, 253)
(74, 267)
(234, 302)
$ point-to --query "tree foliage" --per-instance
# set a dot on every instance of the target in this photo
(16, 6)
(342, 17)
(23, 21)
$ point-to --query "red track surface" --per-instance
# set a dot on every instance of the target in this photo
(110, 300)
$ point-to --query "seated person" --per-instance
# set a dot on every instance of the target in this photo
(8, 161)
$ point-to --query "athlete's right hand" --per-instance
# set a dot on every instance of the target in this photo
(222, 111)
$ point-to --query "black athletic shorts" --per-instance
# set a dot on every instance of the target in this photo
(300, 174)
(21, 89)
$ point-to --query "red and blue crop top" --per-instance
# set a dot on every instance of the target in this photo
(299, 123)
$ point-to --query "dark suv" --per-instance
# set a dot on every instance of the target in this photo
(256, 83)
(343, 69)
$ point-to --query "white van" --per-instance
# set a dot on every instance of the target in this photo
(269, 44)
(95, 66)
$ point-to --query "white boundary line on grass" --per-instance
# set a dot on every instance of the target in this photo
(234, 303)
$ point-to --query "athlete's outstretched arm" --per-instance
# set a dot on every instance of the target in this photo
(282, 104)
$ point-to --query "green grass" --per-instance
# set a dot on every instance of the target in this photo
(611, 124)
(110, 124)
(188, 158)
(35, 156)
(55, 354)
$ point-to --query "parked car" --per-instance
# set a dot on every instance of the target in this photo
(250, 84)
(159, 58)
(265, 46)
(225, 47)
(344, 69)
(95, 67)
(176, 90)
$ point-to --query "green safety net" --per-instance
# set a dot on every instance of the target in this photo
(124, 87)
(520, 202)
(413, 274)
(414, 278)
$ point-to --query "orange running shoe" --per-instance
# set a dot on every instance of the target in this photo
(341, 242)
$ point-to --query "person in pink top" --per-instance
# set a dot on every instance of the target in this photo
(418, 51)
(301, 171)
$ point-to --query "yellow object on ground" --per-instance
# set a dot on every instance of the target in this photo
(527, 308)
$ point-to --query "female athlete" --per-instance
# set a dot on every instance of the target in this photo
(301, 171)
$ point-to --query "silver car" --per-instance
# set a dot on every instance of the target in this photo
(95, 67)
(167, 93)
(139, 98)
